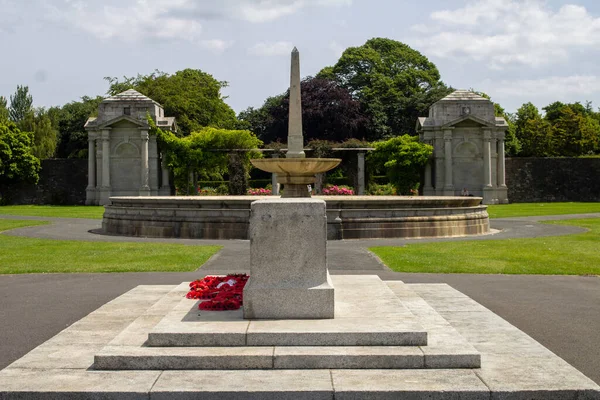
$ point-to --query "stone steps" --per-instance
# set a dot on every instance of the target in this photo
(284, 357)
(392, 338)
(357, 299)
(513, 365)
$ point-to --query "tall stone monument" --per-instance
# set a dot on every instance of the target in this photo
(288, 236)
(123, 160)
(295, 136)
(468, 143)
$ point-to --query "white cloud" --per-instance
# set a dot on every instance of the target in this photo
(133, 20)
(550, 87)
(269, 10)
(510, 32)
(271, 49)
(142, 19)
(216, 45)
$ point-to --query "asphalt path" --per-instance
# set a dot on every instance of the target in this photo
(561, 312)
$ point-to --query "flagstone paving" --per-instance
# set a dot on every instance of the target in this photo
(513, 365)
(560, 312)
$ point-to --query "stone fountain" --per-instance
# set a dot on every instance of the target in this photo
(348, 217)
(296, 171)
(288, 236)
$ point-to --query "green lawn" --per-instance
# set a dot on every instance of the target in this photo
(535, 209)
(20, 255)
(562, 255)
(92, 212)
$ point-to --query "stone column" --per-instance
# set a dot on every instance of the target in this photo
(501, 166)
(428, 138)
(90, 197)
(153, 162)
(487, 159)
(191, 184)
(318, 189)
(488, 189)
(448, 185)
(105, 191)
(165, 188)
(360, 190)
(427, 189)
(274, 184)
(144, 187)
(502, 190)
(98, 166)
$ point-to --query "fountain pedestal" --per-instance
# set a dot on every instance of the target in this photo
(288, 261)
(296, 173)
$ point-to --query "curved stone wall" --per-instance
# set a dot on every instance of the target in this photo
(352, 217)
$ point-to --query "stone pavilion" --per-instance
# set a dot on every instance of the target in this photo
(124, 159)
(468, 143)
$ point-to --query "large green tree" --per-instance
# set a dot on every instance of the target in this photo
(21, 103)
(3, 109)
(328, 113)
(532, 131)
(70, 119)
(191, 96)
(574, 133)
(395, 84)
(45, 133)
(17, 163)
(566, 130)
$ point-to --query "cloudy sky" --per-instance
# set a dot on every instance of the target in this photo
(514, 50)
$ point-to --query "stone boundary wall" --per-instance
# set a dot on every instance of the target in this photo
(531, 180)
(62, 182)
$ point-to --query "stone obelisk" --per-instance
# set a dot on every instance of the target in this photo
(288, 236)
(295, 138)
(296, 171)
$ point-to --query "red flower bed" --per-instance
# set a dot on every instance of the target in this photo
(219, 292)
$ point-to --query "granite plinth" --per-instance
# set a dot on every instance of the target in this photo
(288, 275)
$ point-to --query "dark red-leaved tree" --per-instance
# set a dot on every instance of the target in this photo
(328, 113)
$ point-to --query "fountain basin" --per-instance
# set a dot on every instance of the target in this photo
(300, 171)
(296, 173)
(348, 217)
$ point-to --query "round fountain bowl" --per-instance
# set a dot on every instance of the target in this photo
(296, 171)
(348, 217)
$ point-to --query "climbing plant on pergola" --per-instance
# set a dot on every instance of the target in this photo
(207, 153)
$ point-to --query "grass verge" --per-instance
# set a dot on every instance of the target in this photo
(19, 255)
(91, 212)
(561, 255)
(536, 209)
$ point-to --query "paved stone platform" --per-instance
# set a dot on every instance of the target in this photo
(513, 365)
(356, 296)
(390, 323)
